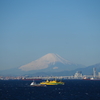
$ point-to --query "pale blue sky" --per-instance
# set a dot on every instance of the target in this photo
(29, 29)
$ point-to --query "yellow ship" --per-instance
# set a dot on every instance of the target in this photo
(54, 82)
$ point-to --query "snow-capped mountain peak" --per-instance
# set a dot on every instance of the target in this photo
(51, 57)
(44, 62)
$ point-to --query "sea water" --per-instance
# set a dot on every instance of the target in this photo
(72, 90)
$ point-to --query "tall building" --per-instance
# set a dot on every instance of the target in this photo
(94, 72)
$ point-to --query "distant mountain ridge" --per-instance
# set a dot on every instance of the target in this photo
(89, 70)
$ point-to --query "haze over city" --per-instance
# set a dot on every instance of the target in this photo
(30, 29)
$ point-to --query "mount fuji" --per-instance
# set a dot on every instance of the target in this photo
(50, 62)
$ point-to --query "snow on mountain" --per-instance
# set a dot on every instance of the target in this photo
(44, 62)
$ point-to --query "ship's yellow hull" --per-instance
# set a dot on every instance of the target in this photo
(52, 83)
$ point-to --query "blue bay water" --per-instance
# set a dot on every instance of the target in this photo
(72, 90)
